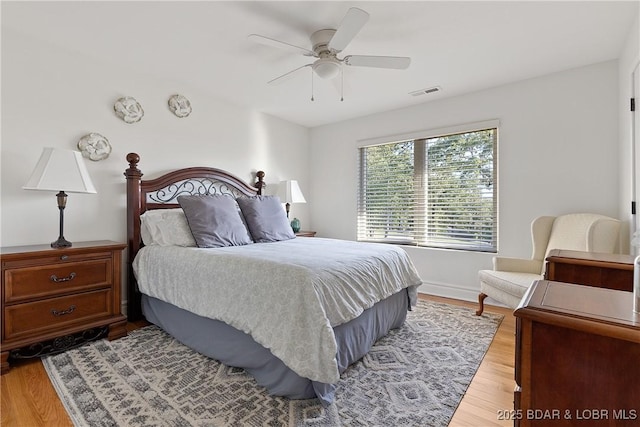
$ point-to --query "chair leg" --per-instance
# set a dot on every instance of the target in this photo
(481, 298)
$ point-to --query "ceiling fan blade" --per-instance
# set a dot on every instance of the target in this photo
(396, 62)
(268, 41)
(351, 24)
(286, 76)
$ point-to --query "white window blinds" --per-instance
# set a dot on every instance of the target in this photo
(438, 191)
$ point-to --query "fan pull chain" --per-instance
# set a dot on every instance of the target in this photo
(312, 85)
(341, 84)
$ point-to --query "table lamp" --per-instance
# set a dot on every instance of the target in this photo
(289, 192)
(62, 171)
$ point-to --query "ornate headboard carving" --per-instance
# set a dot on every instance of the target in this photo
(161, 193)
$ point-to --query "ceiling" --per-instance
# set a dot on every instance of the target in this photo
(459, 46)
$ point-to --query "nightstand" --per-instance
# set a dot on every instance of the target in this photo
(302, 233)
(56, 299)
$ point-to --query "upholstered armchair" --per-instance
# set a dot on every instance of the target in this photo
(511, 277)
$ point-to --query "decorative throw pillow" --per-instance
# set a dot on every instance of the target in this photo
(266, 219)
(165, 227)
(215, 221)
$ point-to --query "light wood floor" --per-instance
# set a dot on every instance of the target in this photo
(29, 400)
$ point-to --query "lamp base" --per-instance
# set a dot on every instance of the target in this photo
(61, 243)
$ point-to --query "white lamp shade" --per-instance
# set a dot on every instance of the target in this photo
(60, 170)
(289, 192)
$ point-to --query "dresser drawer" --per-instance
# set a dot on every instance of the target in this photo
(30, 260)
(47, 280)
(39, 316)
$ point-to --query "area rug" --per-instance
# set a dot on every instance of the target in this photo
(415, 376)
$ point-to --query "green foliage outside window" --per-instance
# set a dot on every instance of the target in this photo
(437, 191)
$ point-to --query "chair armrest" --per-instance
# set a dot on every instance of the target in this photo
(517, 264)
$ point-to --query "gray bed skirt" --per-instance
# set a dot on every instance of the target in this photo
(235, 348)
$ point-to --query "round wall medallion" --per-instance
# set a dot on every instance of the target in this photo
(128, 109)
(94, 146)
(180, 106)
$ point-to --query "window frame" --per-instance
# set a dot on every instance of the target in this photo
(423, 136)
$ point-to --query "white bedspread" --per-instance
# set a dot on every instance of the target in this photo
(287, 295)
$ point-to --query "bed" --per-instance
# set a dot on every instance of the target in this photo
(294, 312)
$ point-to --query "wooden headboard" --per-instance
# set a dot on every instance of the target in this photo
(161, 193)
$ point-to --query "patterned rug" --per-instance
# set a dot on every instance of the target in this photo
(415, 376)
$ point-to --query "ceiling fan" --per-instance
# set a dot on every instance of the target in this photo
(326, 44)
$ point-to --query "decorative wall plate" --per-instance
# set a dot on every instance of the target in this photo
(128, 109)
(180, 106)
(94, 146)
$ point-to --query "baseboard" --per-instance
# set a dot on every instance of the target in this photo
(449, 291)
(455, 292)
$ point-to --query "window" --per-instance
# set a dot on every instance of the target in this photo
(438, 190)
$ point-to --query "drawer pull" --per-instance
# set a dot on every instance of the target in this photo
(57, 279)
(64, 257)
(63, 312)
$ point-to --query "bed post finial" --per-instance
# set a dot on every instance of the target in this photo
(133, 159)
(260, 184)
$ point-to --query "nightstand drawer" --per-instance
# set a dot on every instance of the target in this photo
(23, 319)
(58, 257)
(46, 280)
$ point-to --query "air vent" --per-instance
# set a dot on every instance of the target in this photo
(425, 91)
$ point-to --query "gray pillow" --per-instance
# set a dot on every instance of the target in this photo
(265, 218)
(215, 221)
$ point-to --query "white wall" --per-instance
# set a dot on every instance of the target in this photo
(558, 152)
(52, 97)
(562, 148)
(629, 60)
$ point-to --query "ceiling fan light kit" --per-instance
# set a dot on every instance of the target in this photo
(327, 43)
(326, 68)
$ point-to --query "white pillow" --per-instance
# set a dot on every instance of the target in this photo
(166, 227)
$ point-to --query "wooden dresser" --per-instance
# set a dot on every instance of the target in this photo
(577, 357)
(55, 299)
(613, 271)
